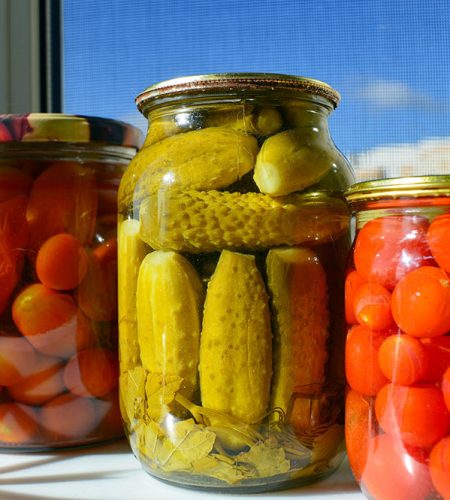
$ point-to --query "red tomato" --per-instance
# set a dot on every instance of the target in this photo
(446, 387)
(13, 182)
(108, 413)
(63, 199)
(51, 321)
(403, 359)
(61, 262)
(361, 360)
(438, 353)
(359, 429)
(372, 306)
(440, 467)
(13, 241)
(92, 372)
(417, 414)
(421, 302)
(389, 247)
(352, 282)
(391, 473)
(438, 236)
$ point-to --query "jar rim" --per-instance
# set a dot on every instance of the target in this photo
(398, 187)
(60, 127)
(235, 82)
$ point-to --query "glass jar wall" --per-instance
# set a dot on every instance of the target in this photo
(397, 304)
(233, 235)
(59, 176)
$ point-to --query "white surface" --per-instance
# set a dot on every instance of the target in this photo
(111, 472)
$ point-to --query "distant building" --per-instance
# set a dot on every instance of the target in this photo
(427, 157)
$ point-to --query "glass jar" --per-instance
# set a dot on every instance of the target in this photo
(59, 176)
(397, 305)
(233, 235)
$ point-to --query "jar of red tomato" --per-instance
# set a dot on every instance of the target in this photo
(397, 307)
(58, 302)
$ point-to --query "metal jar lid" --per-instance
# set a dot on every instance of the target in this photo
(234, 82)
(55, 127)
(430, 186)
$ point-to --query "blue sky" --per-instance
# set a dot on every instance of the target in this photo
(390, 60)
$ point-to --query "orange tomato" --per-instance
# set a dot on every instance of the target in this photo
(51, 321)
(97, 293)
(387, 248)
(17, 359)
(359, 429)
(45, 383)
(361, 360)
(68, 417)
(92, 372)
(391, 473)
(421, 302)
(13, 241)
(13, 182)
(438, 236)
(61, 262)
(63, 199)
(417, 414)
(403, 359)
(18, 423)
(372, 306)
(438, 353)
(352, 282)
(440, 467)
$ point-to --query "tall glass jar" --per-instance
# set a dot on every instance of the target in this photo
(397, 304)
(233, 235)
(59, 176)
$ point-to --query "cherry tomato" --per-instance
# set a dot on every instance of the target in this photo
(45, 383)
(438, 236)
(51, 321)
(61, 262)
(108, 413)
(421, 302)
(387, 248)
(13, 182)
(18, 423)
(391, 473)
(68, 416)
(13, 241)
(92, 372)
(438, 354)
(403, 359)
(359, 429)
(372, 306)
(63, 199)
(17, 359)
(352, 282)
(417, 414)
(440, 467)
(361, 360)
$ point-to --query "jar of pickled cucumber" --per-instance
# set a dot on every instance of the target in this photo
(232, 240)
(397, 306)
(59, 176)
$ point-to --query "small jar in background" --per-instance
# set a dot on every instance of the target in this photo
(233, 237)
(59, 176)
(397, 304)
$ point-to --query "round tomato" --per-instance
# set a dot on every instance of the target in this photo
(421, 302)
(387, 248)
(440, 467)
(372, 306)
(352, 282)
(18, 423)
(438, 236)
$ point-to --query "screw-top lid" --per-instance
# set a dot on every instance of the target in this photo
(55, 127)
(231, 82)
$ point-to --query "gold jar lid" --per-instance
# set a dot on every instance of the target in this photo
(234, 82)
(430, 186)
